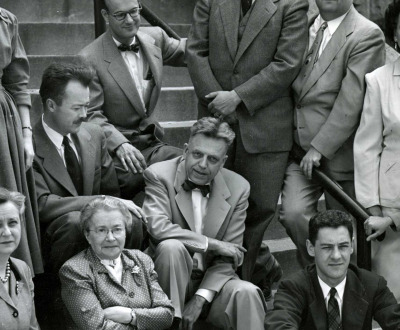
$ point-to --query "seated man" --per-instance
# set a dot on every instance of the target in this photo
(128, 61)
(331, 294)
(71, 165)
(196, 211)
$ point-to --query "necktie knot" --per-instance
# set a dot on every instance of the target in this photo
(332, 292)
(189, 185)
(323, 26)
(65, 141)
(134, 47)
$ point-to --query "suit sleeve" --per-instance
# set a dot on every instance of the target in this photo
(289, 304)
(386, 310)
(263, 88)
(221, 269)
(173, 51)
(78, 295)
(52, 206)
(34, 324)
(160, 225)
(367, 55)
(96, 113)
(161, 314)
(368, 146)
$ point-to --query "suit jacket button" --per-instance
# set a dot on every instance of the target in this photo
(131, 294)
(298, 106)
(235, 71)
(15, 314)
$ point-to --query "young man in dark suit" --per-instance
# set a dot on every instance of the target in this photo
(333, 294)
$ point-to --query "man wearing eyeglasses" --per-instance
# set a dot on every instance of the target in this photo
(129, 62)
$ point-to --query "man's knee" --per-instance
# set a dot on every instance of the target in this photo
(242, 289)
(290, 213)
(171, 247)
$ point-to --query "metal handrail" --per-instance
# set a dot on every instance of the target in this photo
(146, 13)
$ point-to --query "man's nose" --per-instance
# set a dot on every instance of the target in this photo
(203, 162)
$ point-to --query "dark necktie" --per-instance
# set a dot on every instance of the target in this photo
(189, 185)
(246, 4)
(134, 47)
(73, 166)
(334, 322)
(312, 56)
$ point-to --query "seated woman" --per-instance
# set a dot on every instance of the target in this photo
(17, 310)
(377, 160)
(106, 286)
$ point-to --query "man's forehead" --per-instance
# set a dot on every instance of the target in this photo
(329, 235)
(116, 5)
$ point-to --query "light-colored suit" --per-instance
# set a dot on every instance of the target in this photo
(114, 100)
(169, 212)
(58, 200)
(327, 112)
(258, 56)
(17, 309)
(377, 164)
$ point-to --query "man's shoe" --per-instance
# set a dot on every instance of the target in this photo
(273, 276)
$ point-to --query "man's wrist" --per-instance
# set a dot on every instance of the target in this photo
(236, 97)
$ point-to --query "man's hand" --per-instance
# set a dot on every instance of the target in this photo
(28, 148)
(136, 210)
(235, 251)
(118, 314)
(375, 226)
(224, 103)
(310, 160)
(191, 312)
(131, 158)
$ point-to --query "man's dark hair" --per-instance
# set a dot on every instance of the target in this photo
(57, 75)
(391, 19)
(329, 219)
(213, 128)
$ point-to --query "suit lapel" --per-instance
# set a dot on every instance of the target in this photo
(184, 198)
(354, 295)
(217, 207)
(317, 307)
(52, 161)
(230, 15)
(333, 47)
(87, 154)
(119, 71)
(259, 17)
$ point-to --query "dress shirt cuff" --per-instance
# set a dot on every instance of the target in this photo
(206, 294)
(206, 248)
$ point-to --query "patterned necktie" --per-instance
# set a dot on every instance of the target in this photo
(312, 56)
(334, 322)
(246, 4)
(73, 166)
(134, 47)
(189, 185)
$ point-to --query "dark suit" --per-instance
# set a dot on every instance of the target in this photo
(299, 302)
(58, 200)
(115, 103)
(327, 113)
(171, 223)
(258, 56)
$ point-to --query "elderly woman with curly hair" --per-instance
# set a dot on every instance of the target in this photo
(106, 286)
(377, 159)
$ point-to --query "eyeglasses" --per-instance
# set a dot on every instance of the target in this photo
(135, 12)
(103, 232)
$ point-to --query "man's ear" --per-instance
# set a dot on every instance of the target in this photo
(104, 13)
(185, 149)
(50, 105)
(310, 248)
(224, 160)
(352, 245)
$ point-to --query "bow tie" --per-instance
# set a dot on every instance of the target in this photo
(189, 185)
(134, 47)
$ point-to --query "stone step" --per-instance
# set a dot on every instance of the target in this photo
(171, 11)
(172, 77)
(65, 38)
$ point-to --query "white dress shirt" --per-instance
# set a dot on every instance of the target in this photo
(199, 211)
(339, 293)
(57, 140)
(114, 267)
(137, 65)
(328, 33)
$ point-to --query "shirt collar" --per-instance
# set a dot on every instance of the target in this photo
(332, 25)
(109, 262)
(326, 288)
(54, 136)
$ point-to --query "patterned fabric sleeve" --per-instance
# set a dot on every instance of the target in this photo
(160, 316)
(81, 301)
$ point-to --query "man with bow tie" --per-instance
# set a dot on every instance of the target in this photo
(196, 211)
(129, 62)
